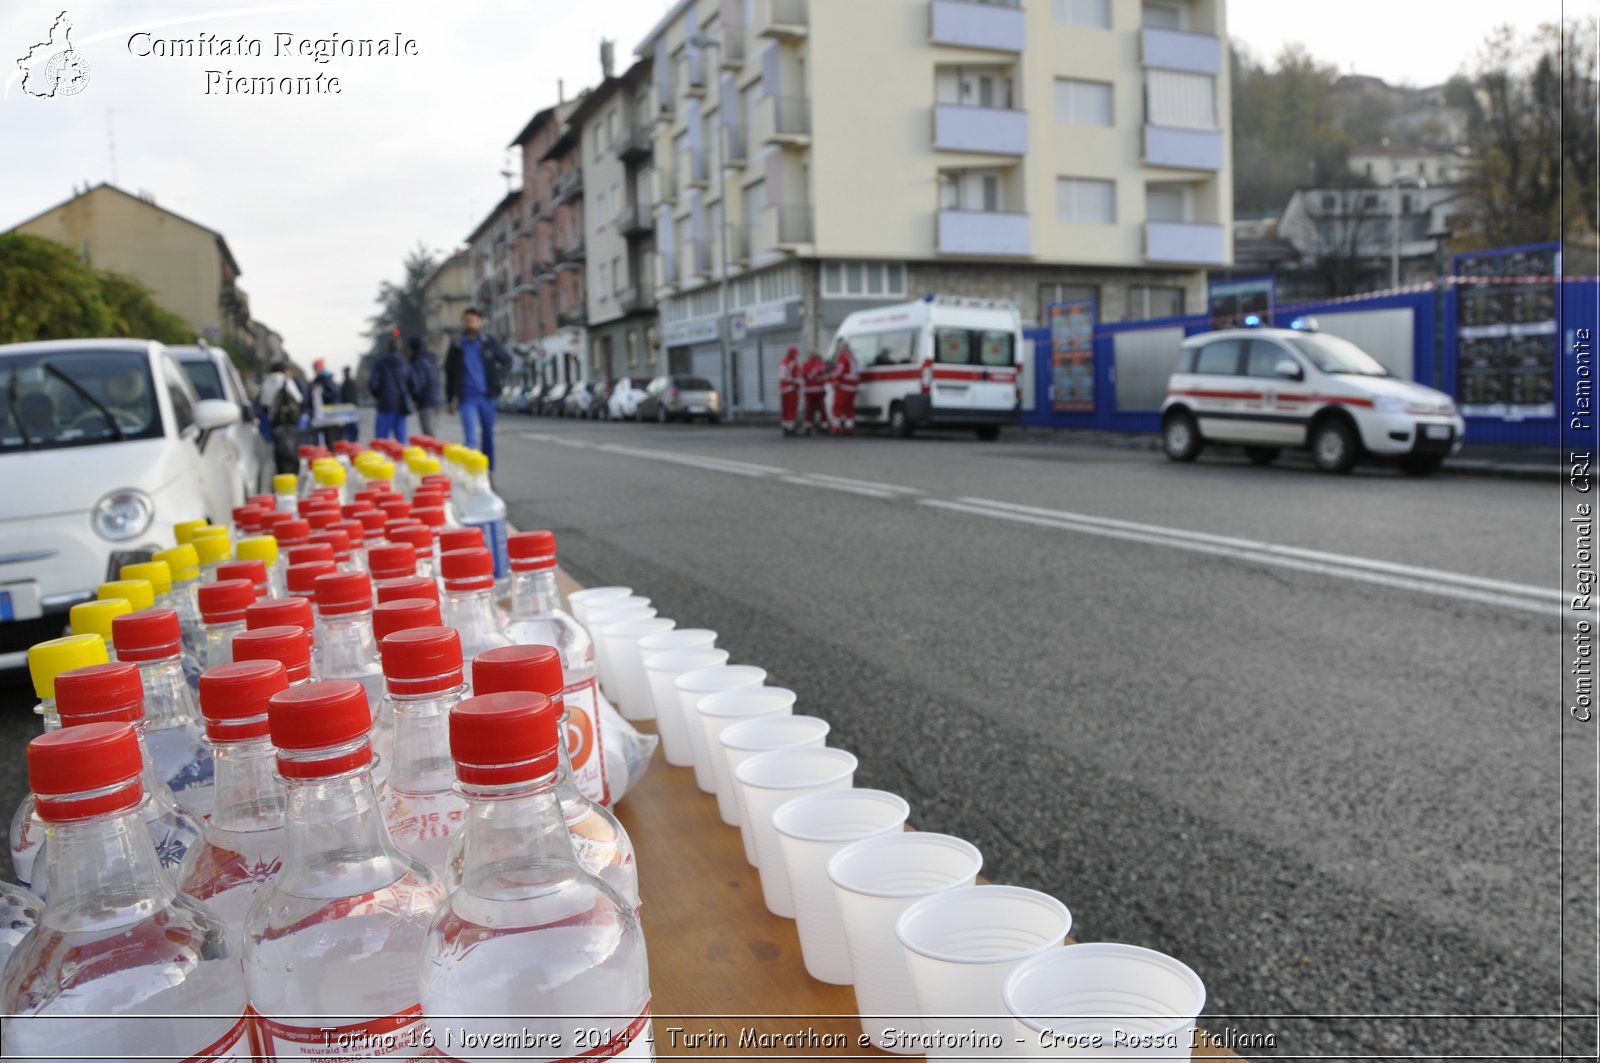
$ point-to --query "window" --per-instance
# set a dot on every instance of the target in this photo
(1219, 359)
(1148, 301)
(616, 275)
(1330, 201)
(1369, 201)
(1050, 294)
(1088, 200)
(977, 190)
(1166, 16)
(898, 347)
(1405, 203)
(1180, 100)
(1096, 13)
(991, 193)
(1083, 102)
(996, 348)
(633, 350)
(871, 280)
(1264, 355)
(605, 286)
(182, 408)
(1167, 202)
(611, 126)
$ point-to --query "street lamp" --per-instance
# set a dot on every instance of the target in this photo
(1394, 204)
(724, 331)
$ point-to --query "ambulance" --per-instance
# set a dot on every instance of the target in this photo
(940, 362)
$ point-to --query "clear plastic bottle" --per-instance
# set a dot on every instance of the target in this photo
(469, 605)
(423, 670)
(288, 644)
(264, 548)
(222, 606)
(390, 618)
(302, 577)
(601, 843)
(19, 913)
(285, 492)
(139, 593)
(159, 576)
(328, 472)
(344, 633)
(477, 506)
(214, 547)
(121, 965)
(392, 561)
(94, 618)
(530, 944)
(152, 640)
(422, 542)
(244, 841)
(391, 590)
(337, 541)
(300, 555)
(252, 572)
(48, 659)
(184, 562)
(292, 533)
(331, 944)
(286, 612)
(356, 538)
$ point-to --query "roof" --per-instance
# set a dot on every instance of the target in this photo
(222, 244)
(673, 14)
(460, 254)
(590, 102)
(107, 344)
(569, 131)
(505, 203)
(532, 127)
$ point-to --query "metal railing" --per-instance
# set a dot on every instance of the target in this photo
(794, 223)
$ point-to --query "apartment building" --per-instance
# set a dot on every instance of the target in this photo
(490, 249)
(816, 157)
(446, 292)
(550, 254)
(615, 127)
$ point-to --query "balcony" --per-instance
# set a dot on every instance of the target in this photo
(666, 185)
(1183, 149)
(997, 26)
(568, 185)
(989, 130)
(1198, 53)
(572, 316)
(699, 170)
(738, 245)
(694, 81)
(633, 298)
(636, 221)
(783, 228)
(570, 255)
(735, 142)
(784, 120)
(1190, 243)
(636, 142)
(784, 20)
(984, 233)
(731, 46)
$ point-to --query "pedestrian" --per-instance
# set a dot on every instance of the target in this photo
(324, 393)
(846, 380)
(424, 383)
(814, 378)
(390, 384)
(347, 396)
(473, 368)
(789, 389)
(281, 405)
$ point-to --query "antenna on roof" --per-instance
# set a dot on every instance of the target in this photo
(111, 145)
(607, 57)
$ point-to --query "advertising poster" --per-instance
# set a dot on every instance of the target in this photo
(1072, 356)
(1506, 332)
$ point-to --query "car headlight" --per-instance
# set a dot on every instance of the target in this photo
(123, 514)
(1389, 404)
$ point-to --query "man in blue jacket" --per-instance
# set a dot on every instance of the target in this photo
(424, 383)
(390, 384)
(472, 372)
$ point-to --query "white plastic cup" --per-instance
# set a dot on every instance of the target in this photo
(716, 713)
(1062, 1000)
(691, 687)
(811, 830)
(582, 602)
(770, 780)
(741, 741)
(682, 638)
(622, 647)
(874, 881)
(613, 611)
(961, 945)
(672, 726)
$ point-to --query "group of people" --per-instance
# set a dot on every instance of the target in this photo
(401, 383)
(809, 380)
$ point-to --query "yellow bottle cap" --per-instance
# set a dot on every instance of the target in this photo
(213, 549)
(183, 531)
(262, 548)
(140, 593)
(158, 573)
(94, 618)
(380, 471)
(475, 461)
(184, 562)
(453, 452)
(46, 660)
(329, 473)
(412, 452)
(424, 466)
(284, 483)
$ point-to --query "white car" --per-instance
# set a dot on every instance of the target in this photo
(213, 375)
(623, 405)
(104, 446)
(1269, 388)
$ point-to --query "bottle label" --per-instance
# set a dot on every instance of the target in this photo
(587, 1039)
(584, 742)
(401, 1036)
(231, 1046)
(494, 537)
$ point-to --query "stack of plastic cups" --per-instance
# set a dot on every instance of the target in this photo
(614, 611)
(741, 741)
(661, 671)
(874, 882)
(691, 687)
(770, 780)
(583, 601)
(716, 713)
(627, 664)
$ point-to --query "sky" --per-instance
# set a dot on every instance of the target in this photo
(321, 197)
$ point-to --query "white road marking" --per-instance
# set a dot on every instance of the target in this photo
(871, 485)
(698, 461)
(850, 488)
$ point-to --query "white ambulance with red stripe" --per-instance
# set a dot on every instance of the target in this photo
(940, 362)
(1266, 389)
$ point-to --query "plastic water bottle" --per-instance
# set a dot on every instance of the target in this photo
(423, 669)
(244, 841)
(214, 547)
(19, 913)
(264, 548)
(285, 492)
(602, 846)
(139, 593)
(157, 573)
(46, 660)
(537, 619)
(251, 571)
(531, 945)
(94, 618)
(184, 563)
(222, 606)
(477, 506)
(469, 600)
(392, 561)
(285, 612)
(390, 618)
(121, 965)
(152, 639)
(331, 945)
(422, 542)
(344, 632)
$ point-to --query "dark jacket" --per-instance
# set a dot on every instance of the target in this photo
(347, 390)
(495, 363)
(390, 383)
(424, 375)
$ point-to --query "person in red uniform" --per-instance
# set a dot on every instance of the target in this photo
(789, 389)
(814, 377)
(846, 380)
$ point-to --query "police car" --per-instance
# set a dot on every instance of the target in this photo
(1269, 388)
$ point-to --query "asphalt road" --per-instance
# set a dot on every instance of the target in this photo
(1299, 731)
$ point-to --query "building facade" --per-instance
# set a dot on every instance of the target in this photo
(446, 292)
(813, 159)
(550, 310)
(490, 254)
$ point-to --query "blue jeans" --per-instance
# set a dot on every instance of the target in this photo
(390, 426)
(477, 425)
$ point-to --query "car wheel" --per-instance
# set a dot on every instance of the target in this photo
(661, 415)
(1413, 465)
(1180, 437)
(989, 432)
(899, 423)
(1333, 446)
(1262, 455)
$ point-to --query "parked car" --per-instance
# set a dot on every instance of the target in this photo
(508, 399)
(531, 396)
(623, 402)
(554, 397)
(680, 398)
(599, 392)
(104, 447)
(1269, 388)
(213, 375)
(578, 402)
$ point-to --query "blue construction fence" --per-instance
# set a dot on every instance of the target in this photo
(1506, 374)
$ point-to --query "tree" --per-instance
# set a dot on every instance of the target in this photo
(400, 306)
(46, 293)
(1285, 128)
(135, 313)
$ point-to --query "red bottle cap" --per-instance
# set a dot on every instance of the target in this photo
(354, 534)
(532, 551)
(101, 759)
(320, 729)
(274, 520)
(418, 534)
(310, 552)
(307, 451)
(439, 482)
(233, 698)
(225, 601)
(403, 614)
(372, 522)
(278, 612)
(254, 571)
(302, 579)
(265, 503)
(148, 635)
(391, 590)
(431, 517)
(422, 660)
(392, 561)
(468, 570)
(462, 539)
(334, 538)
(343, 593)
(532, 669)
(394, 507)
(502, 739)
(247, 518)
(292, 533)
(350, 510)
(289, 646)
(320, 519)
(100, 692)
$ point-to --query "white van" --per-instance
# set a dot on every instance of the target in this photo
(940, 362)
